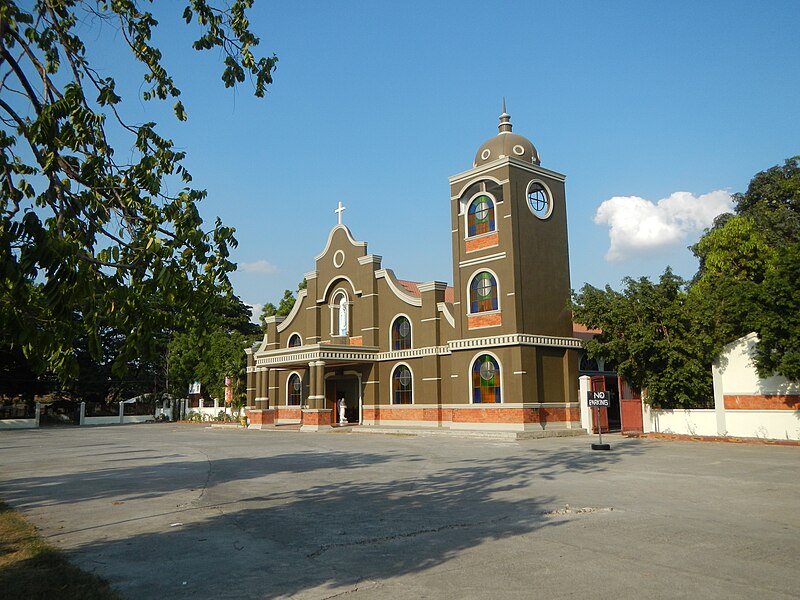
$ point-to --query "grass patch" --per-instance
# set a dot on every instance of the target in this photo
(32, 569)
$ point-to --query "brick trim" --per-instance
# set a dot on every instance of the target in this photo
(478, 321)
(479, 243)
(762, 402)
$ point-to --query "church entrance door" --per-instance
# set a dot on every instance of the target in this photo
(348, 387)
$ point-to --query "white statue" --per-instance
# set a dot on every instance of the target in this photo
(343, 316)
(342, 406)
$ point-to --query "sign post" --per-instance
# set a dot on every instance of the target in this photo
(596, 400)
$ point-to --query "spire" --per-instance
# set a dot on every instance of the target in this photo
(505, 120)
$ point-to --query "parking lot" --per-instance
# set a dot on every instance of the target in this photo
(185, 511)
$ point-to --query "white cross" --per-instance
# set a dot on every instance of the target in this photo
(339, 211)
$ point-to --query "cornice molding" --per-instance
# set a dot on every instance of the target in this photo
(477, 172)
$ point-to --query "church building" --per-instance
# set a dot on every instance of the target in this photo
(494, 351)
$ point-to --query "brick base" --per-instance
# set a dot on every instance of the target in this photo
(288, 414)
(476, 417)
(261, 418)
(316, 419)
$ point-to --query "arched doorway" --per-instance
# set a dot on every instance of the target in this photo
(347, 385)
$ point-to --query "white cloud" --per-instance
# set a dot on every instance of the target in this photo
(637, 225)
(259, 266)
(256, 312)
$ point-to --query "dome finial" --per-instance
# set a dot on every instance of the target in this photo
(505, 120)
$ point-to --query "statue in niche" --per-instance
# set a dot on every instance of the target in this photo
(342, 407)
(343, 315)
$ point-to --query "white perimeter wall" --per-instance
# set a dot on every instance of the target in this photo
(735, 375)
(682, 422)
(18, 423)
(211, 412)
(109, 420)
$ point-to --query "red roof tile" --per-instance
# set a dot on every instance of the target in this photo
(412, 287)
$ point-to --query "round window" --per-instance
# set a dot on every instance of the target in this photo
(482, 209)
(404, 329)
(539, 200)
(487, 371)
(405, 377)
(296, 385)
(484, 287)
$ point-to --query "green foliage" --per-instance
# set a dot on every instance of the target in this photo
(748, 276)
(737, 250)
(207, 358)
(213, 352)
(285, 305)
(772, 199)
(648, 332)
(89, 242)
(778, 322)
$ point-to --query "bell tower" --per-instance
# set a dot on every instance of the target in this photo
(510, 250)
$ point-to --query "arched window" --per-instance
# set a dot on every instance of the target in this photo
(480, 216)
(401, 385)
(401, 334)
(295, 387)
(485, 380)
(588, 364)
(295, 341)
(483, 293)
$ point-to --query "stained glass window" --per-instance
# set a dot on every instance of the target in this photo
(480, 217)
(485, 380)
(295, 390)
(401, 334)
(295, 341)
(401, 385)
(483, 293)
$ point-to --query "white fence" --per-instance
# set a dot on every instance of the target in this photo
(120, 418)
(683, 422)
(745, 405)
(22, 423)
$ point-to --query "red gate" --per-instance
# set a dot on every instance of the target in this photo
(598, 384)
(630, 406)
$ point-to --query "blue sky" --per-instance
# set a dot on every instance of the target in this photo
(654, 111)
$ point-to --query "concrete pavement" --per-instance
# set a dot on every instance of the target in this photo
(185, 511)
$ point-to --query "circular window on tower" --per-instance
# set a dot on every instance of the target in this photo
(539, 200)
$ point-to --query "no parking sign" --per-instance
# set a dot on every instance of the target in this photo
(597, 400)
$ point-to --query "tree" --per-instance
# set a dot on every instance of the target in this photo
(649, 333)
(211, 353)
(285, 305)
(778, 321)
(89, 241)
(772, 199)
(747, 280)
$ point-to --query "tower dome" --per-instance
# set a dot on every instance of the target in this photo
(506, 144)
